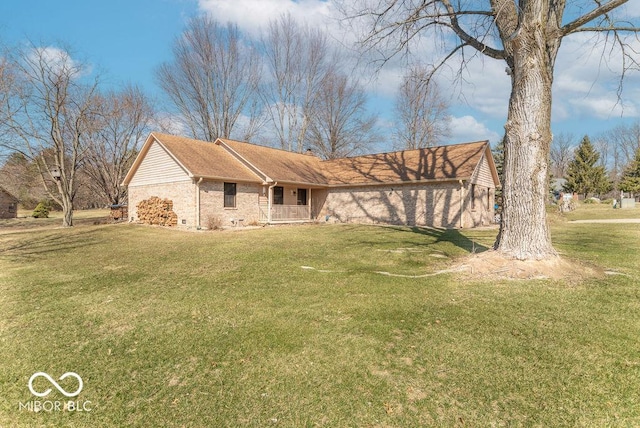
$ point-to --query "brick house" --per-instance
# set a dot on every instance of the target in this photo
(8, 204)
(240, 183)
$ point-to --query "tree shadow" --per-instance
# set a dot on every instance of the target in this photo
(447, 235)
(415, 187)
(30, 245)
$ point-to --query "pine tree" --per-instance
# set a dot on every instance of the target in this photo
(631, 177)
(498, 159)
(583, 176)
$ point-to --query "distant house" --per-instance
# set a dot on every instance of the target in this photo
(8, 204)
(239, 183)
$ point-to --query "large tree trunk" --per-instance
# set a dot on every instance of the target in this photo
(524, 232)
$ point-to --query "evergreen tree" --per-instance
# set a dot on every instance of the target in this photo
(498, 158)
(631, 177)
(583, 176)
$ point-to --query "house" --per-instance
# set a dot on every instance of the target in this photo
(8, 204)
(240, 183)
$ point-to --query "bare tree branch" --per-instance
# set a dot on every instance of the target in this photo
(602, 10)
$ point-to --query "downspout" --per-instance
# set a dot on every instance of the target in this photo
(461, 203)
(198, 203)
(270, 201)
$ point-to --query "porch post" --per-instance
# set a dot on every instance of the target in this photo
(269, 203)
(309, 204)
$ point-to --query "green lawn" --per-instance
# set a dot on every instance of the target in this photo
(602, 211)
(293, 327)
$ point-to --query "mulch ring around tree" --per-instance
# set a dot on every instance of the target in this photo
(493, 265)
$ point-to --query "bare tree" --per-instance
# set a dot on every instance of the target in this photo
(52, 114)
(526, 35)
(339, 125)
(421, 111)
(7, 108)
(19, 176)
(213, 80)
(617, 147)
(626, 139)
(122, 122)
(297, 58)
(562, 148)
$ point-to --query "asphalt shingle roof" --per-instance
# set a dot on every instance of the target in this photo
(435, 163)
(205, 159)
(266, 164)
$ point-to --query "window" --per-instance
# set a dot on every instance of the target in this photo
(302, 196)
(278, 195)
(229, 195)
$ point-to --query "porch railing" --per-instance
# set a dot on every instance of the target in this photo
(285, 213)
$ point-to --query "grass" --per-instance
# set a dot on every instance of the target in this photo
(602, 211)
(26, 221)
(293, 327)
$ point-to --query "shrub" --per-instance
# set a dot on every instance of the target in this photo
(42, 210)
(214, 222)
(566, 205)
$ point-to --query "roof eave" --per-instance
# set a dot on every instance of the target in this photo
(227, 179)
(401, 182)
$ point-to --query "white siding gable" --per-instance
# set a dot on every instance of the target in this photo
(482, 174)
(158, 167)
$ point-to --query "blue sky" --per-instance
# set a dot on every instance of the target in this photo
(125, 40)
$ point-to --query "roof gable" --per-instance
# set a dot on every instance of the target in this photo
(279, 165)
(9, 195)
(198, 158)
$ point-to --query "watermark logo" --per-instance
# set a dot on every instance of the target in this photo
(55, 406)
(54, 383)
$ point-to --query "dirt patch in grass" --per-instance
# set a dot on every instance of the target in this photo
(491, 265)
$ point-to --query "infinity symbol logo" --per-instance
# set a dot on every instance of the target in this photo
(54, 383)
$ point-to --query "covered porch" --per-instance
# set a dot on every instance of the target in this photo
(284, 213)
(286, 204)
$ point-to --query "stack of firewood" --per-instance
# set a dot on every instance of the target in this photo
(157, 211)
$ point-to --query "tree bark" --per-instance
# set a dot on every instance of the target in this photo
(524, 232)
(67, 212)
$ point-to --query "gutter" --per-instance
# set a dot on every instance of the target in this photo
(198, 202)
(461, 203)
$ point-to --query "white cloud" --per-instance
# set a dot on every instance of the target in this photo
(587, 76)
(386, 83)
(467, 128)
(585, 86)
(170, 123)
(630, 10)
(604, 107)
(58, 60)
(252, 15)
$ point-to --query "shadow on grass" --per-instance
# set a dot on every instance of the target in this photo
(28, 247)
(445, 235)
